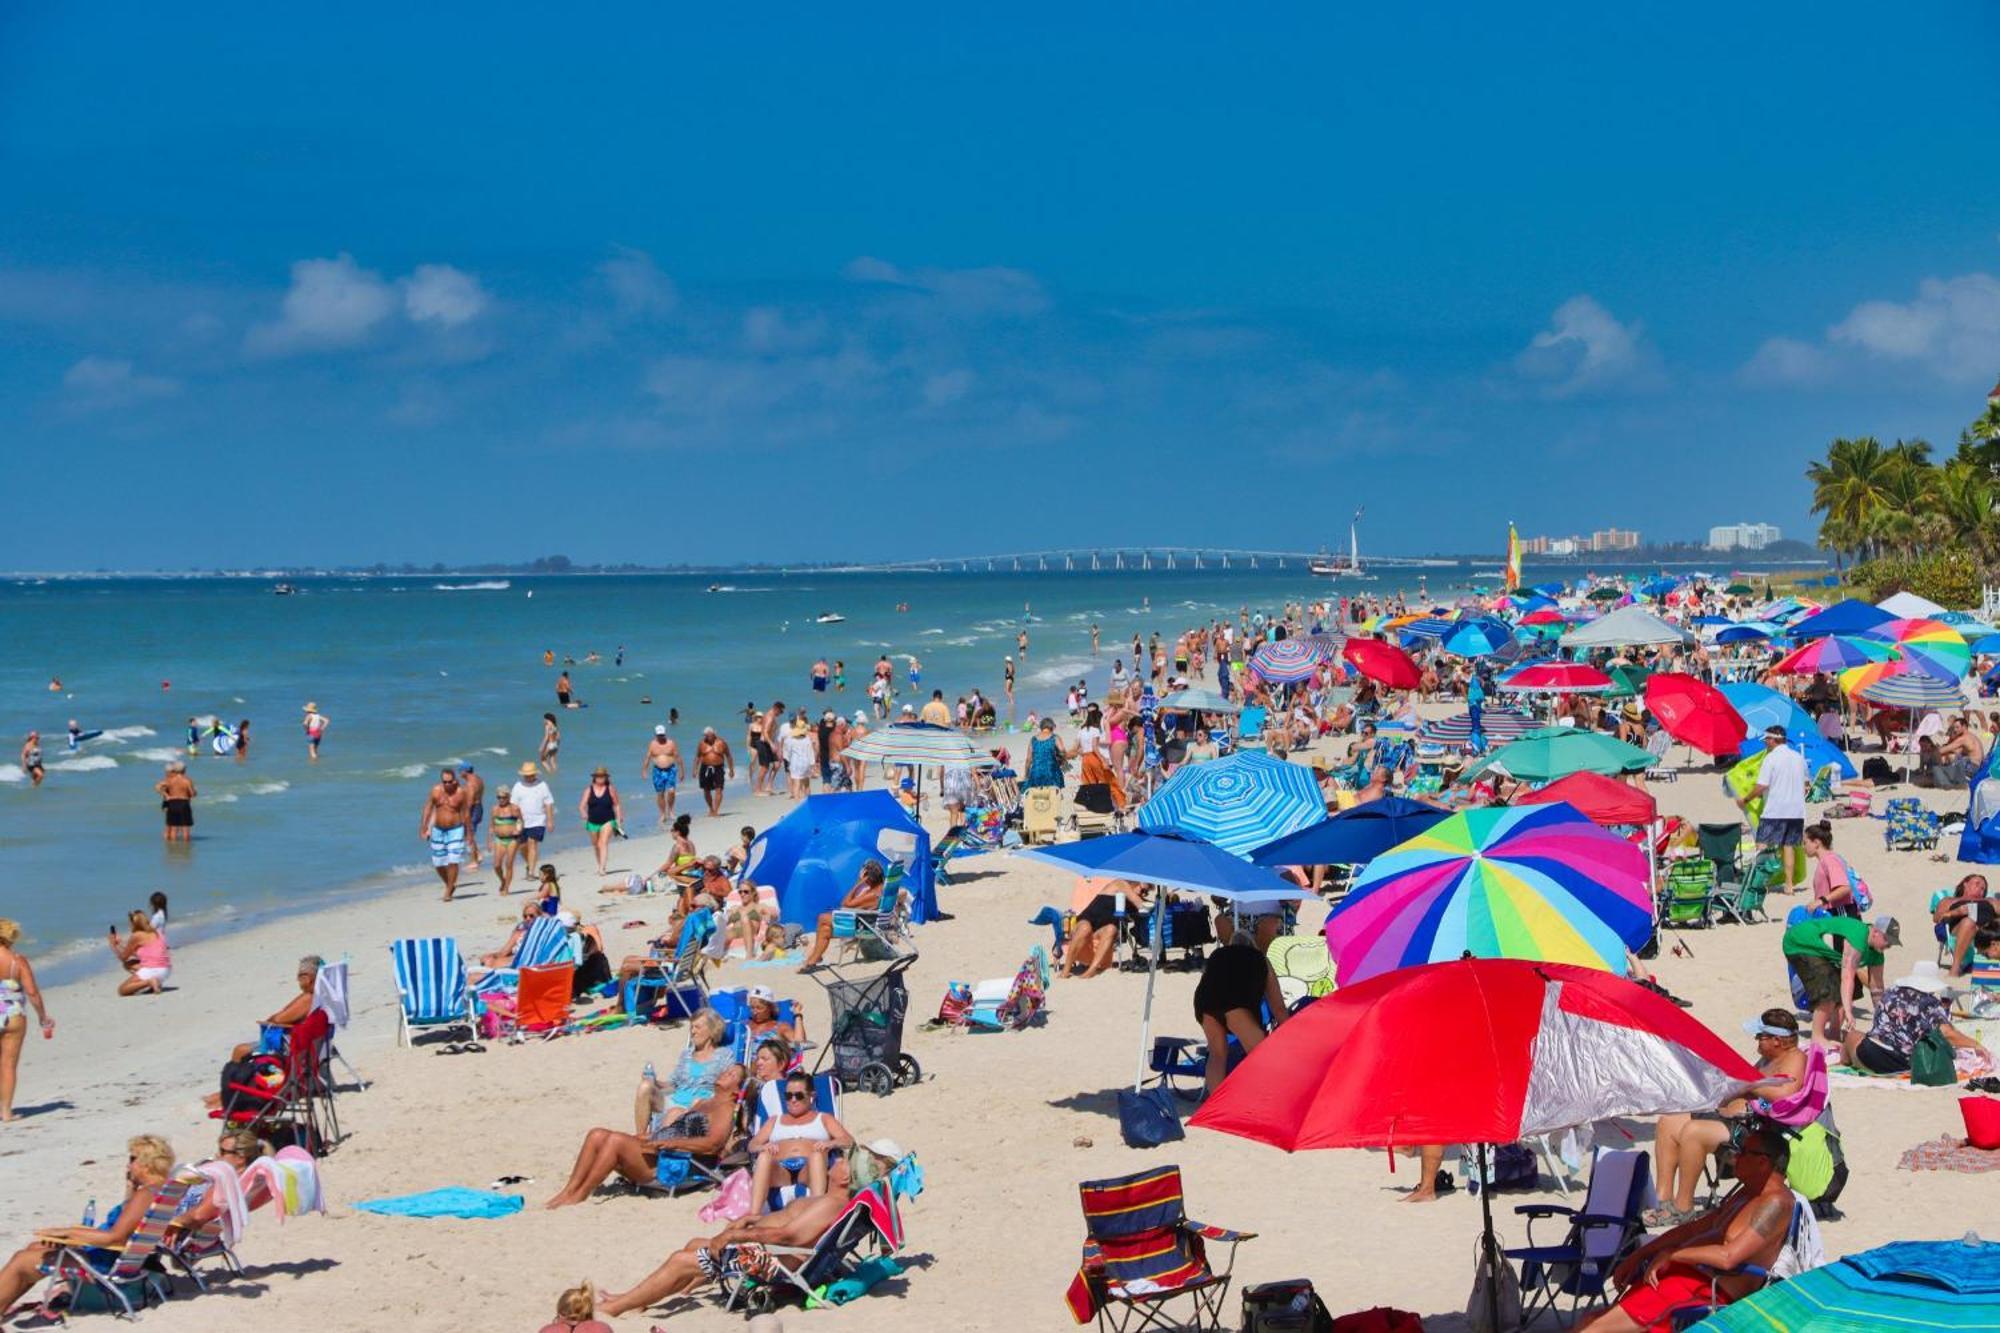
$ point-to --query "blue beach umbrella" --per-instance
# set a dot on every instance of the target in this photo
(1239, 803)
(1760, 706)
(1843, 617)
(1479, 638)
(1745, 632)
(1354, 836)
(815, 853)
(1969, 626)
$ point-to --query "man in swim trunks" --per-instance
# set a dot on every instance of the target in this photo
(711, 759)
(562, 690)
(819, 676)
(443, 827)
(663, 766)
(177, 794)
(475, 811)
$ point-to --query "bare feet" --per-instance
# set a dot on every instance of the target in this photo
(1422, 1194)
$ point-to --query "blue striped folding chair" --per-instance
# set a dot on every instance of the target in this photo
(545, 941)
(431, 990)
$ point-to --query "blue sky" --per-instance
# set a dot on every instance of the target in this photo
(467, 282)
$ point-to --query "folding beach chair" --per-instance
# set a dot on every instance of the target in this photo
(1657, 746)
(330, 996)
(431, 990)
(289, 1095)
(881, 935)
(1912, 827)
(1687, 897)
(1722, 845)
(1600, 1234)
(189, 1251)
(1011, 1003)
(827, 1101)
(776, 1272)
(1041, 814)
(1143, 1251)
(545, 941)
(733, 1008)
(666, 991)
(542, 1002)
(1803, 1251)
(1092, 810)
(1744, 902)
(130, 1283)
(1250, 728)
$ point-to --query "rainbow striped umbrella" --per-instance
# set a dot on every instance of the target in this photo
(1930, 646)
(1533, 881)
(1835, 652)
(1287, 660)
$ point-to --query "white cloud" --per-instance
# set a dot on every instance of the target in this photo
(1586, 348)
(102, 382)
(638, 287)
(1785, 361)
(442, 295)
(1951, 327)
(973, 291)
(331, 303)
(766, 328)
(948, 387)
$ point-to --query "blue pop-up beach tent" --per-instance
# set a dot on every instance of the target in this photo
(813, 855)
(1980, 840)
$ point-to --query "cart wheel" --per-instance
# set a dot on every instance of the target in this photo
(878, 1079)
(908, 1071)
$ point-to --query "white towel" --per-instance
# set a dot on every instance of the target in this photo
(227, 1188)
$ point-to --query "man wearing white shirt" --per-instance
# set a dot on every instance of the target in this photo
(1782, 783)
(538, 812)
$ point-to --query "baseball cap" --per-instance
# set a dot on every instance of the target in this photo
(764, 993)
(660, 729)
(1892, 930)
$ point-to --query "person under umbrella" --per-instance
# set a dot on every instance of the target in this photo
(1237, 984)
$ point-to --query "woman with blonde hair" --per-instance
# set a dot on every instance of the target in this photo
(576, 1312)
(18, 993)
(148, 1162)
(144, 954)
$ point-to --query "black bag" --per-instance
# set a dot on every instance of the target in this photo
(1514, 1168)
(1878, 771)
(1285, 1307)
(1146, 1117)
(1187, 926)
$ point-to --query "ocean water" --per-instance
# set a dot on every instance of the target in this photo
(416, 672)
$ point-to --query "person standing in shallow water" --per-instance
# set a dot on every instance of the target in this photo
(177, 795)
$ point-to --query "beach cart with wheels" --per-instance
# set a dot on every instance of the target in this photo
(864, 1045)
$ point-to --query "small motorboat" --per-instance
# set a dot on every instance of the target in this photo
(828, 618)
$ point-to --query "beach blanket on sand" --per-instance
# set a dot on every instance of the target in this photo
(452, 1201)
(1946, 1153)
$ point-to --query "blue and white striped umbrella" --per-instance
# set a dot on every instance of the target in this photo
(1913, 689)
(1239, 803)
(1287, 660)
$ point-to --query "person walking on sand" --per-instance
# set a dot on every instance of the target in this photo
(475, 811)
(31, 757)
(18, 993)
(315, 725)
(663, 766)
(602, 812)
(537, 805)
(177, 795)
(714, 765)
(443, 827)
(551, 742)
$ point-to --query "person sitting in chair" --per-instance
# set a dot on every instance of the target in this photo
(763, 1020)
(700, 1130)
(1960, 912)
(865, 896)
(1682, 1143)
(1093, 932)
(149, 1162)
(1677, 1269)
(794, 1147)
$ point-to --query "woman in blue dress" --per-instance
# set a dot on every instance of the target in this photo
(1046, 756)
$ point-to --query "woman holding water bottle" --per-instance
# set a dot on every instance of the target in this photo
(148, 1162)
(18, 994)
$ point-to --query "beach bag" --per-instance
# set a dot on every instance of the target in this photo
(1291, 1306)
(732, 1201)
(1147, 1118)
(1931, 1064)
(1381, 1319)
(1877, 770)
(1741, 780)
(957, 1000)
(1982, 1121)
(1493, 1284)
(1864, 901)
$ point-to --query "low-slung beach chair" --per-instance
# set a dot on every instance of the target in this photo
(1912, 825)
(1600, 1234)
(1686, 898)
(1041, 814)
(1010, 1004)
(1743, 902)
(1143, 1251)
(131, 1283)
(803, 1271)
(544, 942)
(670, 990)
(430, 987)
(542, 1002)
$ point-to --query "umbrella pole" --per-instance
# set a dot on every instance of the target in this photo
(1489, 1244)
(1156, 932)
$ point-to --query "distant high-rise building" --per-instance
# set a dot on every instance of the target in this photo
(1614, 539)
(1743, 536)
(1534, 546)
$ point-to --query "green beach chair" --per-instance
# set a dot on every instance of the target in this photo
(1687, 899)
(1743, 902)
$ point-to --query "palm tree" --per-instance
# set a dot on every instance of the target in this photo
(1850, 488)
(1962, 494)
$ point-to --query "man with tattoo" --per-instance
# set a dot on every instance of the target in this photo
(1676, 1270)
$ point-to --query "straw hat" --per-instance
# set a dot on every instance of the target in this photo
(529, 771)
(601, 772)
(312, 707)
(799, 728)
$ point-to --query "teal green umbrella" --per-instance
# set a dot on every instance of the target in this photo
(1198, 700)
(1907, 1285)
(1557, 752)
(1626, 681)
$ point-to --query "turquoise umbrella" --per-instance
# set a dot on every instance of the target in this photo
(1557, 752)
(1239, 803)
(1907, 1285)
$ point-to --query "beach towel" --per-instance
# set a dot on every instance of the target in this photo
(452, 1201)
(227, 1187)
(291, 1177)
(1948, 1153)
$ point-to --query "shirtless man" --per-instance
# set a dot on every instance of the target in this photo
(562, 691)
(663, 766)
(1959, 757)
(702, 1130)
(177, 794)
(475, 811)
(799, 1224)
(443, 827)
(714, 764)
(1750, 1227)
(819, 676)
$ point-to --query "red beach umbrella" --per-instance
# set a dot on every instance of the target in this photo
(1603, 801)
(1383, 663)
(1557, 678)
(1695, 712)
(1547, 615)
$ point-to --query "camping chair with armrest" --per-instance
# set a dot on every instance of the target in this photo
(431, 989)
(675, 1171)
(827, 1101)
(1722, 844)
(733, 1007)
(1802, 1251)
(289, 1094)
(670, 989)
(803, 1271)
(1743, 902)
(1143, 1251)
(75, 1276)
(1687, 896)
(1600, 1234)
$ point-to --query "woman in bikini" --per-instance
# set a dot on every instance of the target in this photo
(18, 993)
(506, 826)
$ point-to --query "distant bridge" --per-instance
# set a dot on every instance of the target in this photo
(1100, 558)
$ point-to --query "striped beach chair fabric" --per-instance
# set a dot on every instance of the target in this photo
(130, 1284)
(1143, 1252)
(430, 987)
(805, 1271)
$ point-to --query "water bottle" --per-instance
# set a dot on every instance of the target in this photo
(90, 1214)
(648, 1074)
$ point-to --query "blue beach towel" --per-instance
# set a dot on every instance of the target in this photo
(453, 1201)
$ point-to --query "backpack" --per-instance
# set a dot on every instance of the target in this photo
(1864, 901)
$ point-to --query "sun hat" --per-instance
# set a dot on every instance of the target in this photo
(888, 1148)
(600, 772)
(1926, 977)
(799, 727)
(311, 707)
(1892, 930)
(528, 770)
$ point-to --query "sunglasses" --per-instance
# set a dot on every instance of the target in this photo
(798, 1096)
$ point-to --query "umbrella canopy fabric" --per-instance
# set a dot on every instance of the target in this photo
(1287, 660)
(1238, 802)
(1538, 881)
(1479, 638)
(1970, 627)
(1760, 706)
(1424, 628)
(1627, 680)
(1557, 752)
(1738, 590)
(1695, 713)
(1167, 859)
(1627, 627)
(1556, 678)
(1746, 631)
(1906, 1285)
(1833, 652)
(1603, 801)
(918, 743)
(815, 853)
(1907, 605)
(1843, 617)
(1928, 645)
(1498, 724)
(1901, 686)
(1536, 1048)
(1545, 615)
(1605, 594)
(1198, 700)
(1383, 663)
(1354, 836)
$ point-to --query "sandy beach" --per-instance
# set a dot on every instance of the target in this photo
(1004, 1124)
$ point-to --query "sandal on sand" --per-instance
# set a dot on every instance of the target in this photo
(1666, 1215)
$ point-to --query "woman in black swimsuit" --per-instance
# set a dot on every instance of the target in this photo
(1093, 933)
(1235, 981)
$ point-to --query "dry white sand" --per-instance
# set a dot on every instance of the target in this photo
(1005, 1124)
